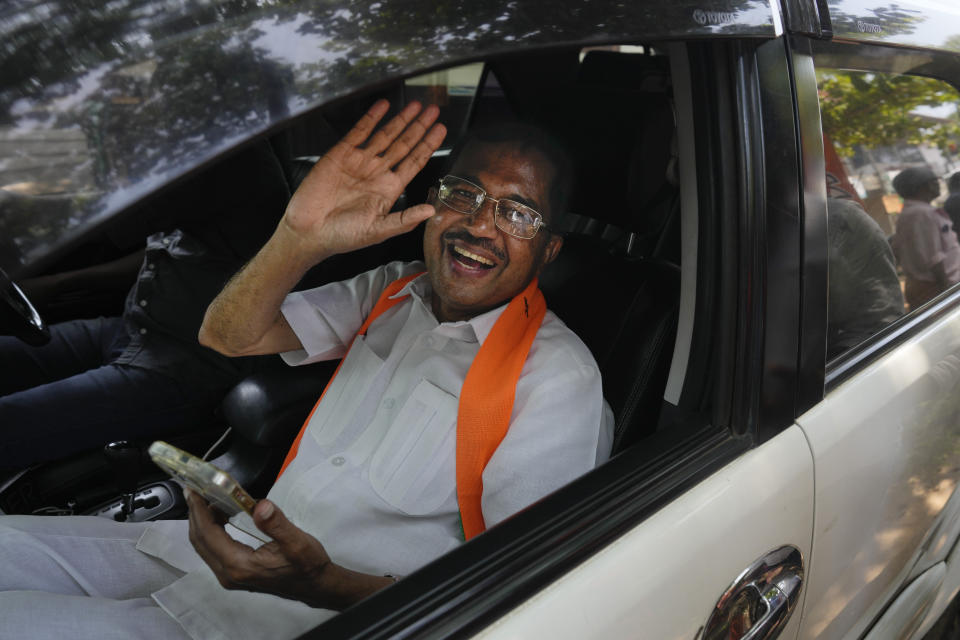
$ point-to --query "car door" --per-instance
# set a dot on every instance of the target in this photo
(664, 578)
(884, 437)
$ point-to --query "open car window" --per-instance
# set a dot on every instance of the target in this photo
(453, 90)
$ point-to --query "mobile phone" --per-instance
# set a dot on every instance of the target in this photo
(214, 484)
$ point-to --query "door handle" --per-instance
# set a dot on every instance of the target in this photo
(760, 600)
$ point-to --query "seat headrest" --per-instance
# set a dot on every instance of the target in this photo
(591, 289)
(627, 71)
(621, 127)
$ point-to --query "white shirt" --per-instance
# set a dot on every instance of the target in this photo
(925, 238)
(374, 477)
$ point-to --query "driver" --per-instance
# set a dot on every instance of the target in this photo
(142, 375)
(460, 400)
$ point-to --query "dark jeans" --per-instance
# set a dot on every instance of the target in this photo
(66, 396)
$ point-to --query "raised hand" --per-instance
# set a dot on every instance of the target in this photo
(344, 203)
(294, 566)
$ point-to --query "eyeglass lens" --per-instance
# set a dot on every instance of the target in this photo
(511, 217)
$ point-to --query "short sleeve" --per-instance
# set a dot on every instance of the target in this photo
(326, 319)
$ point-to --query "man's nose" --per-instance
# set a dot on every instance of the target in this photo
(483, 222)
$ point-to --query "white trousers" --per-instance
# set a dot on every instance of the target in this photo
(80, 577)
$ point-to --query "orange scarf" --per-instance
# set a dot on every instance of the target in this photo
(487, 395)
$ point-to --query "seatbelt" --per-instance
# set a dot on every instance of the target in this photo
(486, 398)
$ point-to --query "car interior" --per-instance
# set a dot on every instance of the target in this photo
(616, 282)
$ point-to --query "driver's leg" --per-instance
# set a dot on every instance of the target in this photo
(74, 347)
(86, 411)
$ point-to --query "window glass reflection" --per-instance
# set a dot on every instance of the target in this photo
(891, 147)
(450, 89)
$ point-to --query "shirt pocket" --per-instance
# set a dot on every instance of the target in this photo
(345, 394)
(414, 468)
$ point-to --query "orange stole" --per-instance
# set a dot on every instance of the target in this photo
(487, 395)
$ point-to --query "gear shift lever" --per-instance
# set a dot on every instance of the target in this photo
(124, 457)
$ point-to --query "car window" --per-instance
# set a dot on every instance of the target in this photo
(450, 89)
(890, 143)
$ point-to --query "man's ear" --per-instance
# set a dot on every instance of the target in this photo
(552, 249)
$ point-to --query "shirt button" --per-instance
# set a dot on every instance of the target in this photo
(150, 265)
(143, 331)
(143, 303)
(388, 403)
(338, 461)
(166, 241)
(429, 341)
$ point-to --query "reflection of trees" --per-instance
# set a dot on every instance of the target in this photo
(45, 46)
(48, 57)
(217, 90)
(159, 85)
(875, 110)
(148, 126)
(873, 119)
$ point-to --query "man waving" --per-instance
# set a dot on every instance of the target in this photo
(460, 399)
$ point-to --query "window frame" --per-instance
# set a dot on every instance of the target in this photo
(859, 56)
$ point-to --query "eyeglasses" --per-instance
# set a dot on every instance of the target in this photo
(518, 220)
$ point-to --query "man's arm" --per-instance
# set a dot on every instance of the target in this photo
(342, 205)
(294, 566)
(560, 421)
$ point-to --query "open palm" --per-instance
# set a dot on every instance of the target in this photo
(344, 203)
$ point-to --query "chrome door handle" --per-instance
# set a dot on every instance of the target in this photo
(760, 600)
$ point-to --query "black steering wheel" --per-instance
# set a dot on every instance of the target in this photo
(18, 317)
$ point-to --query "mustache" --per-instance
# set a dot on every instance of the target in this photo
(483, 243)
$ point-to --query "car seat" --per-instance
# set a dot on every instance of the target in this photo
(616, 282)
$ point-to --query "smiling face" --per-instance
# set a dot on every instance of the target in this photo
(473, 265)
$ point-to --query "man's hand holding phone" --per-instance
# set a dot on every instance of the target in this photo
(294, 565)
(291, 564)
(214, 484)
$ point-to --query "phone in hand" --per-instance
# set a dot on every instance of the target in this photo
(214, 484)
